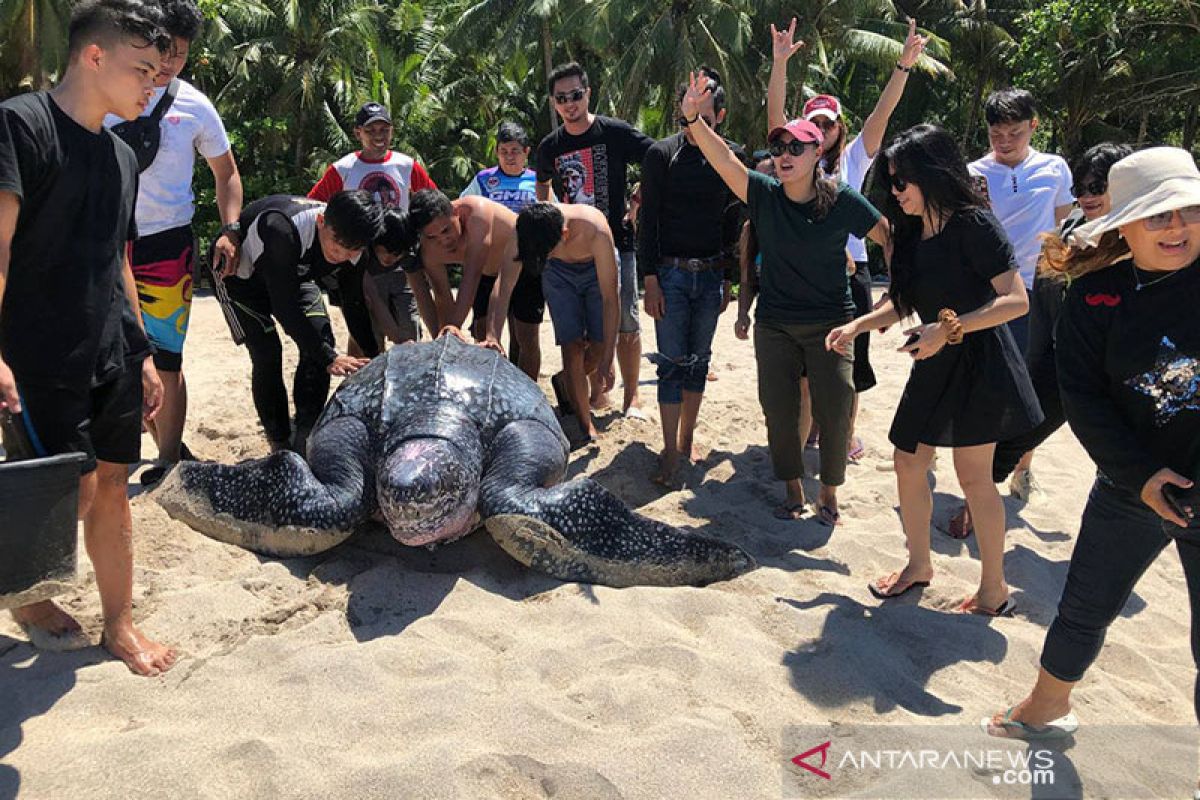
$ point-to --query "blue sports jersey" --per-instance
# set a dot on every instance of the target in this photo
(515, 192)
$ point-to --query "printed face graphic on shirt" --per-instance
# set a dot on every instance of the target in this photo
(383, 188)
(584, 176)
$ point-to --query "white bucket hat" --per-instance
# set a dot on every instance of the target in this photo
(1141, 185)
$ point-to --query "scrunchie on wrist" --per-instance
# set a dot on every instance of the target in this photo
(952, 325)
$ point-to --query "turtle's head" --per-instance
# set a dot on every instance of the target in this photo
(428, 490)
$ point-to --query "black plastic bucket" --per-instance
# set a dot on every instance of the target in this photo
(38, 509)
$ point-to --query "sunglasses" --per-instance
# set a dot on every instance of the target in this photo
(573, 96)
(1092, 188)
(898, 183)
(795, 147)
(824, 123)
(1189, 214)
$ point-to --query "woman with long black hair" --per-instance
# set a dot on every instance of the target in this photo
(952, 266)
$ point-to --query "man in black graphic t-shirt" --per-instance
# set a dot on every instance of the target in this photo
(67, 327)
(586, 159)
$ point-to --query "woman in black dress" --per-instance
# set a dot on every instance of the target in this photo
(954, 268)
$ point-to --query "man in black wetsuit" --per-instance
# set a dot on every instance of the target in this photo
(291, 247)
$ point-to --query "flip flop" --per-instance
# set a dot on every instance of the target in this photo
(153, 475)
(561, 396)
(790, 510)
(1059, 728)
(633, 412)
(857, 451)
(1005, 609)
(893, 593)
(828, 516)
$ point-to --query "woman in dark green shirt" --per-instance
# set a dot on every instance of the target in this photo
(802, 220)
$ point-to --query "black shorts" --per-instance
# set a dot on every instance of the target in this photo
(104, 423)
(483, 296)
(528, 304)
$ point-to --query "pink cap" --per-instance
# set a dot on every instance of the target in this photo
(801, 129)
(823, 105)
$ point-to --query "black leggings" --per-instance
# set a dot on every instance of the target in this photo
(860, 292)
(1119, 538)
(1045, 303)
(251, 305)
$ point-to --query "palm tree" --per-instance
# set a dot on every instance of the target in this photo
(510, 27)
(311, 61)
(33, 42)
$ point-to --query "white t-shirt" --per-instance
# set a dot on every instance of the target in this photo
(191, 125)
(852, 169)
(1023, 198)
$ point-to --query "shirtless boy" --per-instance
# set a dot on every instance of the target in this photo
(571, 248)
(477, 233)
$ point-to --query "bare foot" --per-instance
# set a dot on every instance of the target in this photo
(695, 453)
(47, 617)
(143, 656)
(668, 470)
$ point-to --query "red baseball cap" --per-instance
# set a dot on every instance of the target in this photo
(801, 129)
(823, 105)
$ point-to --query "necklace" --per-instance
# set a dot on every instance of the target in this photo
(1139, 285)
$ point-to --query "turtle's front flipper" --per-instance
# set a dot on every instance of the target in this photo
(579, 531)
(279, 505)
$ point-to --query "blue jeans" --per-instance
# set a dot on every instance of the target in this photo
(1119, 538)
(685, 333)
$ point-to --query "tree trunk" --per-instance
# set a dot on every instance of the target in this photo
(1143, 127)
(548, 63)
(301, 151)
(970, 122)
(1191, 122)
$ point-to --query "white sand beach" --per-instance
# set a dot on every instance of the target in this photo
(379, 671)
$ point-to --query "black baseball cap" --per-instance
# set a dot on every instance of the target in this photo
(370, 112)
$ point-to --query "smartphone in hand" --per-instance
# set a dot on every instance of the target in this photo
(1181, 500)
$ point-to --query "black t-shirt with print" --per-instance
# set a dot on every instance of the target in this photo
(1128, 356)
(591, 168)
(61, 322)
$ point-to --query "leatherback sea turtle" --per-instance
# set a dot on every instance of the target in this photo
(431, 437)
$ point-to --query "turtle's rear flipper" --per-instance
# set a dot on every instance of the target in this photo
(580, 531)
(279, 505)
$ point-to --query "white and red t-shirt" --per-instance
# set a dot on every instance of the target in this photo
(392, 180)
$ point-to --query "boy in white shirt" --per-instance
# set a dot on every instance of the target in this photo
(164, 256)
(1030, 193)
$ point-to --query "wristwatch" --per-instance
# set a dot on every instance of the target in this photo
(234, 229)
